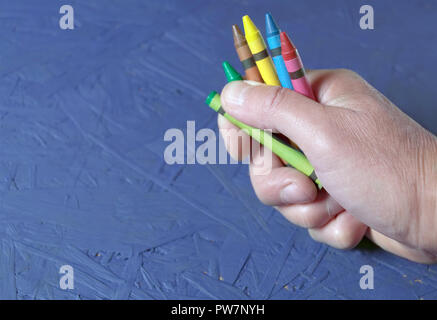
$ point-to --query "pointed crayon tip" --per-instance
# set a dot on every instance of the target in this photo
(230, 73)
(249, 26)
(210, 96)
(272, 28)
(239, 39)
(211, 100)
(287, 47)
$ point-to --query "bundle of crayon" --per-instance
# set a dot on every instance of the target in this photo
(285, 69)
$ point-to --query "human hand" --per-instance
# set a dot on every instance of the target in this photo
(378, 166)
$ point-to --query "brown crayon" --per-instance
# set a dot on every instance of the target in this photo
(245, 56)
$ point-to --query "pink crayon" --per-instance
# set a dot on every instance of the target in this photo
(295, 68)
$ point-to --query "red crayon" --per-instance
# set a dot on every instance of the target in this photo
(295, 68)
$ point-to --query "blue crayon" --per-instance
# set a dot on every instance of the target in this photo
(274, 41)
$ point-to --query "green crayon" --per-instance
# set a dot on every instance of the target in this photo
(230, 73)
(292, 156)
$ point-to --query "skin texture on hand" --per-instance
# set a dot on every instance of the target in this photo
(378, 166)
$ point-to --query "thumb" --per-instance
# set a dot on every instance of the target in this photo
(301, 119)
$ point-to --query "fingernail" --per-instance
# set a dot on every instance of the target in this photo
(235, 92)
(293, 194)
(252, 83)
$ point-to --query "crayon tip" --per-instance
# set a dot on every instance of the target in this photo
(239, 39)
(230, 73)
(287, 47)
(249, 26)
(272, 28)
(210, 98)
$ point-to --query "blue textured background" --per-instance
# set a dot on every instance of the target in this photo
(82, 179)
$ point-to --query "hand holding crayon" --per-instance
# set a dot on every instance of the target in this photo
(357, 202)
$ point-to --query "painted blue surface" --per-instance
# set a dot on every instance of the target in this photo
(82, 178)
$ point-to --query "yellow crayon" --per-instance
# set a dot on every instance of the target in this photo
(259, 51)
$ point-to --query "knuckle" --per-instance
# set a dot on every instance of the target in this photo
(309, 218)
(344, 240)
(347, 72)
(313, 234)
(260, 167)
(262, 194)
(349, 75)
